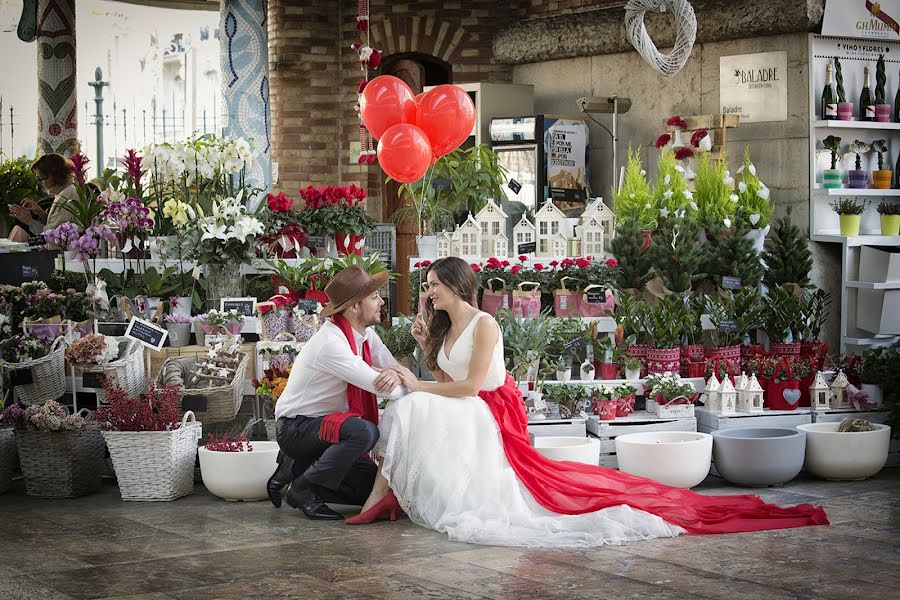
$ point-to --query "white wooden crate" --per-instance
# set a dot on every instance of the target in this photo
(638, 422)
(873, 416)
(571, 427)
(707, 421)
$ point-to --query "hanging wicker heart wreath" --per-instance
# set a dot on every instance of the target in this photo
(685, 27)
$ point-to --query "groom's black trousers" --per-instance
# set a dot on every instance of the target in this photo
(337, 472)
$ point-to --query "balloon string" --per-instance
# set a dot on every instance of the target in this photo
(422, 201)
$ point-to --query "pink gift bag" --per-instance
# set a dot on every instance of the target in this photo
(566, 301)
(526, 300)
(494, 299)
(596, 302)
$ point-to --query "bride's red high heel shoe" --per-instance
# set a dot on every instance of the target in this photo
(386, 508)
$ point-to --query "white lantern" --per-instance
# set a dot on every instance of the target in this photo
(727, 397)
(713, 402)
(839, 397)
(754, 395)
(820, 393)
(741, 386)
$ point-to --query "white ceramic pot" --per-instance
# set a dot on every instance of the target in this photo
(845, 456)
(571, 448)
(427, 246)
(632, 375)
(181, 305)
(676, 458)
(239, 475)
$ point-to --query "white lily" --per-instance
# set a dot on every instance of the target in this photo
(668, 179)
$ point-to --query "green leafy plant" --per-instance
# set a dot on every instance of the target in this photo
(525, 341)
(635, 199)
(753, 197)
(784, 318)
(17, 182)
(833, 144)
(663, 322)
(787, 255)
(675, 254)
(888, 208)
(729, 252)
(631, 315)
(849, 206)
(628, 248)
(713, 193)
(398, 338)
(817, 305)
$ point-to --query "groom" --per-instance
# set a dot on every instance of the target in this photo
(327, 416)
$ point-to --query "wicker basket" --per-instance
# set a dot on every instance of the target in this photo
(127, 372)
(61, 464)
(7, 459)
(48, 376)
(155, 465)
(217, 404)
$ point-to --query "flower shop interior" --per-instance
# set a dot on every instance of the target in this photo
(684, 216)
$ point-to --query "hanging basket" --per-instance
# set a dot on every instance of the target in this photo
(61, 464)
(47, 375)
(7, 458)
(155, 465)
(126, 372)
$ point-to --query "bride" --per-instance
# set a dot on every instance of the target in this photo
(456, 456)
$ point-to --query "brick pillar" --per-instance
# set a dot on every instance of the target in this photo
(57, 99)
(245, 81)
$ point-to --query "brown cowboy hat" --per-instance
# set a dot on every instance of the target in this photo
(351, 286)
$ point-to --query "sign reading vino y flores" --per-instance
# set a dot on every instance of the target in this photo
(868, 19)
(754, 86)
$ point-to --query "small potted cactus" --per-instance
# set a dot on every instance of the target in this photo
(858, 178)
(833, 177)
(850, 213)
(890, 218)
(881, 179)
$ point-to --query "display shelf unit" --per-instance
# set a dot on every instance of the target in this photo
(824, 225)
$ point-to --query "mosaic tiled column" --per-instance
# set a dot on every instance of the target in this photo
(245, 81)
(57, 99)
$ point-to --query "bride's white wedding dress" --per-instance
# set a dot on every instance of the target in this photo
(445, 462)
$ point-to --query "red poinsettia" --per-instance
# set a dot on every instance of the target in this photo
(663, 140)
(676, 121)
(697, 136)
(554, 263)
(522, 258)
(493, 263)
(683, 153)
(504, 263)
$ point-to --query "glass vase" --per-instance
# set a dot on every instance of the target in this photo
(222, 281)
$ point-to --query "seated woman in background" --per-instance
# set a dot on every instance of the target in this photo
(54, 171)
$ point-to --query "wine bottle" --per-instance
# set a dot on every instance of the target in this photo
(829, 101)
(866, 100)
(897, 173)
(897, 104)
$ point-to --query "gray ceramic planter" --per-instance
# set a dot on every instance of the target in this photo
(759, 456)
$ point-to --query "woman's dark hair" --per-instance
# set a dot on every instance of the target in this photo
(457, 275)
(56, 166)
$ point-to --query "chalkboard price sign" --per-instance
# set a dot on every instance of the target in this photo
(20, 377)
(192, 402)
(36, 240)
(307, 304)
(514, 185)
(150, 335)
(528, 248)
(731, 283)
(316, 241)
(243, 306)
(728, 325)
(596, 296)
(574, 344)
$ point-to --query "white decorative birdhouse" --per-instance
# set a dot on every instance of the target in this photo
(740, 386)
(727, 397)
(492, 221)
(604, 215)
(523, 232)
(820, 393)
(592, 237)
(839, 397)
(549, 221)
(468, 236)
(712, 402)
(559, 245)
(501, 246)
(445, 244)
(754, 396)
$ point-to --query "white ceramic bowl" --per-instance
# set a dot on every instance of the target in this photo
(571, 448)
(239, 475)
(676, 458)
(844, 456)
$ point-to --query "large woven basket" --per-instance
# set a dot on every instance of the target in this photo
(217, 404)
(48, 376)
(61, 464)
(155, 465)
(7, 459)
(127, 372)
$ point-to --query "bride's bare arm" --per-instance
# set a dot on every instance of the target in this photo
(486, 337)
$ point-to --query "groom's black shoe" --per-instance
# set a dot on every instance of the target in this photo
(311, 504)
(280, 479)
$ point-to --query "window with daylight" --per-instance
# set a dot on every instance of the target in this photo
(543, 227)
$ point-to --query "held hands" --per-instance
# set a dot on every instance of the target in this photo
(407, 378)
(20, 213)
(387, 381)
(419, 330)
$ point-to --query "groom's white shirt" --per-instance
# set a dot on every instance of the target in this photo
(318, 382)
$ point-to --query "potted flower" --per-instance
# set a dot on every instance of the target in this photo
(663, 324)
(603, 402)
(233, 468)
(216, 322)
(61, 455)
(849, 212)
(890, 218)
(625, 396)
(269, 389)
(783, 320)
(285, 238)
(844, 108)
(858, 178)
(678, 125)
(179, 327)
(587, 370)
(632, 368)
(702, 140)
(816, 306)
(882, 177)
(882, 108)
(152, 449)
(833, 177)
(337, 211)
(132, 223)
(674, 396)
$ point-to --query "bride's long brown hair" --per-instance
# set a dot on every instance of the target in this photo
(457, 275)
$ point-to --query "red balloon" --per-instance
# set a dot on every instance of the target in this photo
(404, 152)
(446, 115)
(385, 102)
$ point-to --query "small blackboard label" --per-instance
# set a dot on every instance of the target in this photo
(92, 380)
(574, 344)
(596, 296)
(316, 241)
(514, 185)
(728, 325)
(528, 248)
(731, 283)
(150, 335)
(307, 304)
(243, 306)
(36, 240)
(195, 403)
(441, 183)
(20, 377)
(30, 272)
